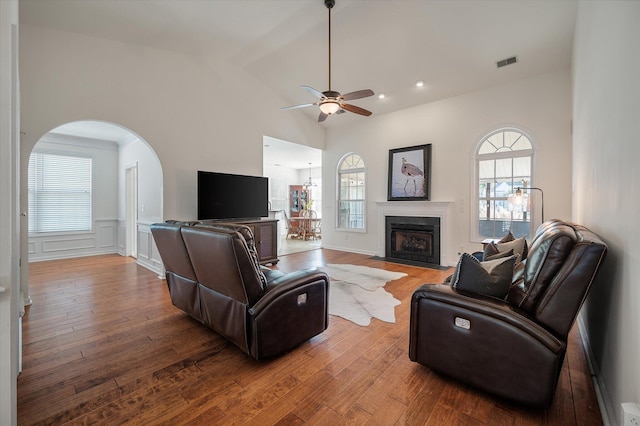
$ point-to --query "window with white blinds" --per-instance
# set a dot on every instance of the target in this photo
(59, 192)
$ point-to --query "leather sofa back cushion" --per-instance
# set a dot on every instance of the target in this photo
(246, 233)
(172, 250)
(549, 249)
(222, 262)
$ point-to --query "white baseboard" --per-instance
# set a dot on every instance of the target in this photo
(70, 255)
(153, 267)
(349, 250)
(604, 402)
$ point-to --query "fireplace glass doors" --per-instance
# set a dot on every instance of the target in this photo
(414, 240)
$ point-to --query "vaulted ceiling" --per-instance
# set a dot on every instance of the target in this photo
(387, 46)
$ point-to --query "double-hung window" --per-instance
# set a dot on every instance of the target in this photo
(503, 161)
(351, 193)
(59, 191)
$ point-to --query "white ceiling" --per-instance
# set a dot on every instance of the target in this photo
(383, 45)
(100, 130)
(277, 152)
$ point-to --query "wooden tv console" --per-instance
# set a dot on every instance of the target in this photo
(265, 232)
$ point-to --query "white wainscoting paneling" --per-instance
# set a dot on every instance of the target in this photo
(63, 245)
(148, 255)
(121, 237)
(107, 237)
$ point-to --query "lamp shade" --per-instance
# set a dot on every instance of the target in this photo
(518, 202)
(329, 107)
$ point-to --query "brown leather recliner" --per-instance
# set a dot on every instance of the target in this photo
(213, 274)
(513, 348)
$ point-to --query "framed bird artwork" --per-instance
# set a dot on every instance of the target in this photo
(410, 173)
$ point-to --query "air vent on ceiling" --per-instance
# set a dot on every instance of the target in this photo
(508, 61)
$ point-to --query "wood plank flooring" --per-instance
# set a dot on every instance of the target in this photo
(104, 345)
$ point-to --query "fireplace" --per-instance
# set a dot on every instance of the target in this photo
(441, 210)
(413, 240)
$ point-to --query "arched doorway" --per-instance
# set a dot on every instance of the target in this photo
(125, 192)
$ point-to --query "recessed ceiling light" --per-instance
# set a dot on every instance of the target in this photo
(419, 83)
(381, 96)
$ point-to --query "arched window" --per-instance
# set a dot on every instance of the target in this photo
(504, 161)
(351, 193)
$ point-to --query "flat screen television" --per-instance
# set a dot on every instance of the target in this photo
(229, 196)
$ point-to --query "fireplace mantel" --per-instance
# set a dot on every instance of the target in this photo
(439, 209)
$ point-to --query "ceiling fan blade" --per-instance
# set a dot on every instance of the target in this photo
(322, 117)
(340, 111)
(297, 106)
(357, 110)
(313, 91)
(358, 94)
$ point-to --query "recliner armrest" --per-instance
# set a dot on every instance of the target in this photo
(294, 308)
(286, 283)
(491, 307)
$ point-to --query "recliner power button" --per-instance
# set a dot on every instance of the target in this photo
(463, 323)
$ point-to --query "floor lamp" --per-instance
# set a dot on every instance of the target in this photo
(520, 201)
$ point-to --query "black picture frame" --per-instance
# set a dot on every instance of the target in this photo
(405, 181)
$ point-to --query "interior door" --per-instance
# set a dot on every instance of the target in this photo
(131, 211)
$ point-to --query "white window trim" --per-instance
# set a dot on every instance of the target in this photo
(473, 213)
(362, 230)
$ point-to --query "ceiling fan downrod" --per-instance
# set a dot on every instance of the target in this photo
(329, 4)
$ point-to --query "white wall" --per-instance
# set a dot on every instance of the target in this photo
(137, 153)
(540, 105)
(196, 112)
(279, 180)
(10, 353)
(606, 149)
(285, 176)
(103, 236)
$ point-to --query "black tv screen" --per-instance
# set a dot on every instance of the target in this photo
(229, 196)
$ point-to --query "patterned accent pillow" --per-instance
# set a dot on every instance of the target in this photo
(490, 278)
(519, 247)
(507, 238)
(499, 255)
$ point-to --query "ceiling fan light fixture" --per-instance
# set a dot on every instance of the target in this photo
(329, 107)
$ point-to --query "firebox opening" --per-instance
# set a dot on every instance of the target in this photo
(414, 240)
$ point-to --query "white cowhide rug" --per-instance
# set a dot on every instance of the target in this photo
(357, 293)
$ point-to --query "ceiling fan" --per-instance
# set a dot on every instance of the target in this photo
(332, 102)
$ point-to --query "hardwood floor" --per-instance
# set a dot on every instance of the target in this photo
(104, 345)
